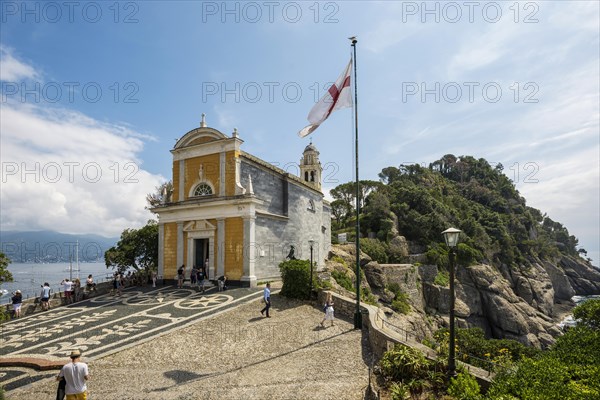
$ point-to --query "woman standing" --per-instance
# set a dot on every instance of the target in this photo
(180, 276)
(328, 310)
(17, 300)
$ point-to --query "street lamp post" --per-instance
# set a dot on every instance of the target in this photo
(311, 242)
(451, 236)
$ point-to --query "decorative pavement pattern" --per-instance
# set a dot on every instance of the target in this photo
(106, 324)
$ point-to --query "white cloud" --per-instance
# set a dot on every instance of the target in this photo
(64, 171)
(11, 69)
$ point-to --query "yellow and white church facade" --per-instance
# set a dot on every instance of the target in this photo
(237, 215)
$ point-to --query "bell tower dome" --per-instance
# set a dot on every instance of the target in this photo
(310, 167)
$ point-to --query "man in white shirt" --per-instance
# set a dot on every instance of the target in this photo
(67, 288)
(75, 374)
(267, 300)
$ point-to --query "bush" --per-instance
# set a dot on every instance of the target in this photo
(437, 254)
(466, 255)
(343, 280)
(544, 378)
(399, 392)
(400, 306)
(375, 249)
(464, 387)
(580, 345)
(442, 278)
(404, 363)
(296, 278)
(589, 313)
(400, 303)
(368, 297)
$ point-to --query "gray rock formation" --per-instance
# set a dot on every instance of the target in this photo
(584, 278)
(513, 303)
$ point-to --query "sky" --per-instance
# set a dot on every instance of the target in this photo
(95, 94)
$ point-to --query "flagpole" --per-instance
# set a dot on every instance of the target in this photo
(357, 316)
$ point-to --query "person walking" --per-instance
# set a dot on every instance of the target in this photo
(75, 374)
(45, 296)
(193, 275)
(328, 310)
(267, 300)
(180, 276)
(17, 301)
(154, 276)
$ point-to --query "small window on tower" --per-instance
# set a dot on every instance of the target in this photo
(311, 206)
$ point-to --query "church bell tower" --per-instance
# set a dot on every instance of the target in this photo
(310, 167)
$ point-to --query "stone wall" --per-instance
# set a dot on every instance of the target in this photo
(381, 338)
(286, 219)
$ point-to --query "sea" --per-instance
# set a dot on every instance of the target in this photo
(29, 277)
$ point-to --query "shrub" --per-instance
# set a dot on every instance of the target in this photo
(399, 392)
(589, 313)
(323, 284)
(375, 249)
(400, 303)
(343, 280)
(296, 278)
(466, 255)
(543, 378)
(339, 260)
(404, 363)
(368, 297)
(580, 345)
(464, 387)
(442, 278)
(437, 254)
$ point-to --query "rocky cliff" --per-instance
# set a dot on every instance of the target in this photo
(506, 303)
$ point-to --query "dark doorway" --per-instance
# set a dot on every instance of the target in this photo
(201, 254)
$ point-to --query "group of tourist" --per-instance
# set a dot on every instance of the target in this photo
(198, 276)
(73, 290)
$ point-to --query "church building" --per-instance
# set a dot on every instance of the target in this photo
(237, 215)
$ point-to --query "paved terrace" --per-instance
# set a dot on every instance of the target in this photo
(169, 343)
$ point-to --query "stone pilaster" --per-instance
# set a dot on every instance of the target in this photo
(220, 248)
(249, 251)
(179, 244)
(181, 180)
(161, 249)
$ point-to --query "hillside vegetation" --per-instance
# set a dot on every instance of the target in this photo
(467, 193)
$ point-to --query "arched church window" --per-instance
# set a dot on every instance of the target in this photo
(306, 176)
(312, 176)
(311, 205)
(203, 190)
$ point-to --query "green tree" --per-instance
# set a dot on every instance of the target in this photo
(5, 275)
(137, 248)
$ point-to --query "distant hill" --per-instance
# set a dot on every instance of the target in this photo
(50, 246)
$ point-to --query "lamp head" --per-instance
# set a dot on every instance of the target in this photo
(451, 236)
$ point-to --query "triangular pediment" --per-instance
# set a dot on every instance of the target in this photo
(199, 225)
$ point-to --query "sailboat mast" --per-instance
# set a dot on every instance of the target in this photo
(77, 257)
